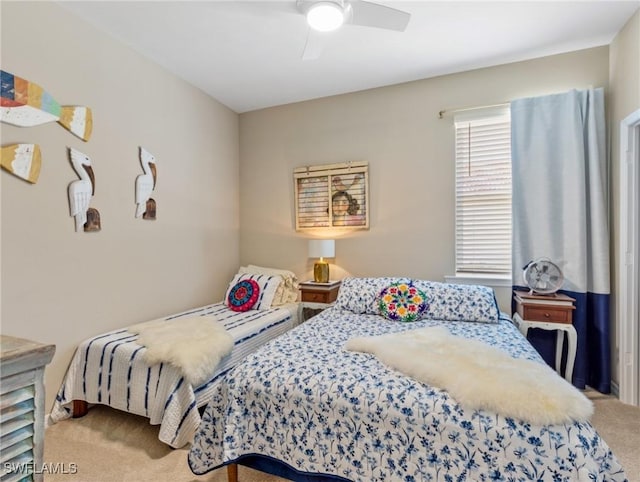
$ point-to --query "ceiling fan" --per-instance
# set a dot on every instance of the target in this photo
(325, 16)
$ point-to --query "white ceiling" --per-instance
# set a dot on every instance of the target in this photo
(247, 54)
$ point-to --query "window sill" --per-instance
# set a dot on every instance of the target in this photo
(480, 279)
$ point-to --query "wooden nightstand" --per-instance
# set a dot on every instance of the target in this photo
(551, 312)
(316, 297)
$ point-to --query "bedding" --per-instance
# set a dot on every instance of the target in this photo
(401, 302)
(266, 289)
(194, 344)
(110, 369)
(477, 375)
(304, 407)
(287, 290)
(445, 301)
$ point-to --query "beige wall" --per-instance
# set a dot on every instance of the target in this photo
(624, 78)
(59, 286)
(410, 154)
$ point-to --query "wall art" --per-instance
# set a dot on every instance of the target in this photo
(145, 184)
(26, 104)
(22, 160)
(80, 193)
(332, 196)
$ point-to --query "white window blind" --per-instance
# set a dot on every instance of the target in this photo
(483, 192)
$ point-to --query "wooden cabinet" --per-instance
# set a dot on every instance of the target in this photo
(316, 297)
(22, 365)
(557, 308)
(551, 314)
(319, 292)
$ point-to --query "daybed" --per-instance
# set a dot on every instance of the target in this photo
(312, 405)
(113, 368)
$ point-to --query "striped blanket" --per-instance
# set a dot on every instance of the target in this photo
(110, 369)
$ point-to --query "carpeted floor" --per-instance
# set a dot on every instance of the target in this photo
(111, 446)
(107, 445)
(619, 425)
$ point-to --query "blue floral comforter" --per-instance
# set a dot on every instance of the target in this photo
(303, 400)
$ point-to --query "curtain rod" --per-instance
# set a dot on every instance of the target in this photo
(503, 104)
(463, 109)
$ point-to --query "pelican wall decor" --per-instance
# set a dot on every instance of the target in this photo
(26, 104)
(81, 191)
(22, 160)
(145, 184)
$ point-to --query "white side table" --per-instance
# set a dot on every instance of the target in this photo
(561, 328)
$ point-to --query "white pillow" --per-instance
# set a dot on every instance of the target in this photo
(287, 291)
(458, 302)
(268, 286)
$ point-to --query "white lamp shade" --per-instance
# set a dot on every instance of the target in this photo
(325, 16)
(322, 248)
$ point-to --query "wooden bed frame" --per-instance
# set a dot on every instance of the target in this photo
(277, 468)
(80, 408)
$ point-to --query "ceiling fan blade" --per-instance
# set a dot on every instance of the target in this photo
(370, 14)
(314, 45)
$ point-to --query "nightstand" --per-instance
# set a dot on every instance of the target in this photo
(316, 297)
(549, 312)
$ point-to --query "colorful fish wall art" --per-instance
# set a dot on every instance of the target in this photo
(22, 160)
(26, 104)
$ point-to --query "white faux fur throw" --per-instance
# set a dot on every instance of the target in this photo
(194, 344)
(480, 376)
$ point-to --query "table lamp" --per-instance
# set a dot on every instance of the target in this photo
(321, 248)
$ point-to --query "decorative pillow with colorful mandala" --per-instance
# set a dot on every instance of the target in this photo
(402, 302)
(243, 295)
(267, 288)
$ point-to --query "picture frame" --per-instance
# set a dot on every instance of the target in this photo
(332, 196)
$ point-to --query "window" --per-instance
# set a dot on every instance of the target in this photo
(483, 192)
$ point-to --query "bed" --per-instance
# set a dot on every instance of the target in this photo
(306, 408)
(111, 368)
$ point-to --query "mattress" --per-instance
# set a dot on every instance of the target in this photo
(109, 369)
(303, 406)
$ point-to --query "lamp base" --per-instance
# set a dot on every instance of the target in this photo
(321, 272)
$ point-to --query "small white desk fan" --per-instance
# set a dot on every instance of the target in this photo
(542, 276)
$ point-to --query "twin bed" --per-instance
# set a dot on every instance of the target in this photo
(305, 407)
(111, 368)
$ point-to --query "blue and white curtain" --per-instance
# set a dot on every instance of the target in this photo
(560, 212)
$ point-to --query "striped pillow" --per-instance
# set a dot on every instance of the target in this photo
(267, 284)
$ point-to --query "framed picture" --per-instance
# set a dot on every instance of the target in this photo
(332, 196)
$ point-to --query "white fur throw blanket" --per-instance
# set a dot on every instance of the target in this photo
(479, 376)
(195, 344)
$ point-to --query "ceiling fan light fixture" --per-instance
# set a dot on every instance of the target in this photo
(325, 16)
